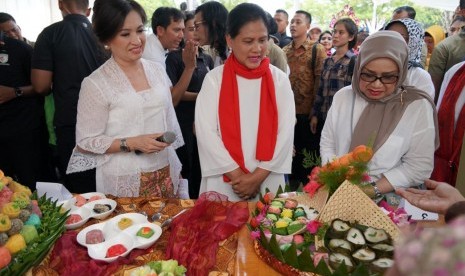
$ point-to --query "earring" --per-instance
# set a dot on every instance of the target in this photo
(106, 47)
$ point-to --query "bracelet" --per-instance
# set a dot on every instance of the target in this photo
(376, 189)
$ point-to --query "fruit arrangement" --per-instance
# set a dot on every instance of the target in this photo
(28, 227)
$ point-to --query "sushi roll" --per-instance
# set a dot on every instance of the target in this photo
(355, 237)
(381, 265)
(383, 250)
(364, 255)
(336, 259)
(373, 235)
(338, 229)
(340, 246)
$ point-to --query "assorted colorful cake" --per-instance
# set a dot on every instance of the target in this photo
(145, 232)
(101, 208)
(94, 236)
(115, 250)
(74, 218)
(124, 223)
(286, 217)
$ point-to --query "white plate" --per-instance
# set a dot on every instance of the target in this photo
(114, 235)
(91, 205)
(85, 215)
(99, 251)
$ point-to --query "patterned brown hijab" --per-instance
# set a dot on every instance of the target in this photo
(380, 117)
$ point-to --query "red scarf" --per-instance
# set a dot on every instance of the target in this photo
(229, 111)
(446, 157)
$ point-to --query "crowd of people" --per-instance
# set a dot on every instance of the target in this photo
(92, 104)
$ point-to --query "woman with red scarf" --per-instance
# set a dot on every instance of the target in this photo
(451, 119)
(245, 114)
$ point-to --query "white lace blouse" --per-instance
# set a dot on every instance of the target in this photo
(109, 108)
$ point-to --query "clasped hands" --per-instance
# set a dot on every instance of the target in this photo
(247, 185)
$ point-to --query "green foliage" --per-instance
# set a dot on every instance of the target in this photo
(323, 10)
(311, 159)
(150, 6)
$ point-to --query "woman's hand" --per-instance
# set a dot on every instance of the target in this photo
(189, 54)
(313, 124)
(146, 143)
(438, 198)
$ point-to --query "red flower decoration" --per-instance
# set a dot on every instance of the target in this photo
(313, 226)
(312, 187)
(268, 197)
(254, 222)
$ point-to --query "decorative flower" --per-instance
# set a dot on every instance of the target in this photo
(312, 187)
(313, 226)
(268, 197)
(254, 222)
(255, 235)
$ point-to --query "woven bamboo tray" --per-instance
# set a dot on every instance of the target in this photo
(350, 203)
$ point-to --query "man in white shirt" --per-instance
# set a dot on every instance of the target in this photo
(168, 27)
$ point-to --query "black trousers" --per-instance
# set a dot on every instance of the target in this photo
(303, 139)
(189, 157)
(81, 182)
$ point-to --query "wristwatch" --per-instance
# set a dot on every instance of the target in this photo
(377, 191)
(123, 146)
(18, 91)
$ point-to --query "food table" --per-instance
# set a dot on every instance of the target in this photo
(236, 255)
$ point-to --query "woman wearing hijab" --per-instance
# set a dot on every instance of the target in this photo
(433, 35)
(244, 114)
(413, 34)
(400, 121)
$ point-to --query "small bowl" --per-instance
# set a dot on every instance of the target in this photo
(99, 251)
(85, 215)
(81, 236)
(91, 205)
(141, 242)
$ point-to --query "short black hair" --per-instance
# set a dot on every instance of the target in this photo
(308, 16)
(80, 4)
(282, 11)
(163, 17)
(271, 24)
(215, 16)
(410, 11)
(109, 16)
(243, 14)
(5, 17)
(351, 28)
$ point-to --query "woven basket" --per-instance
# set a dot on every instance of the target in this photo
(316, 202)
(352, 204)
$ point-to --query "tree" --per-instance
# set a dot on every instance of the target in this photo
(150, 6)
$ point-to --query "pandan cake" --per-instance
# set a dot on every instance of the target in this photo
(29, 233)
(145, 232)
(124, 223)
